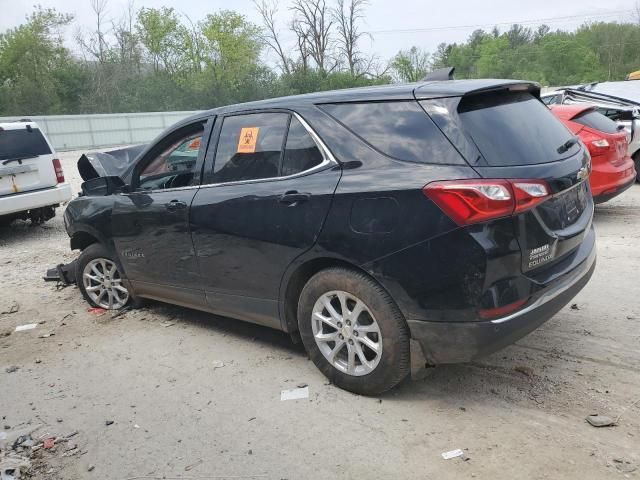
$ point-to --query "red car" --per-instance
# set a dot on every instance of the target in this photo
(613, 170)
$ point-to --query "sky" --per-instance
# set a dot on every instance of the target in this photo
(394, 24)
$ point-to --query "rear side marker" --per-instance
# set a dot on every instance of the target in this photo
(474, 201)
(490, 313)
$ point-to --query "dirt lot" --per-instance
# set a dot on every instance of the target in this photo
(197, 396)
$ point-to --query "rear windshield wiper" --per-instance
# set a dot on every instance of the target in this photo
(568, 144)
(18, 159)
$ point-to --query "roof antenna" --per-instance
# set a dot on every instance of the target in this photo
(440, 75)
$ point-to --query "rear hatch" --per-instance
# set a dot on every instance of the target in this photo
(508, 133)
(26, 159)
(603, 136)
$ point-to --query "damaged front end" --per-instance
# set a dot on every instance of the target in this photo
(115, 163)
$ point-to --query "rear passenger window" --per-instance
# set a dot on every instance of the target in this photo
(301, 152)
(250, 147)
(22, 143)
(401, 130)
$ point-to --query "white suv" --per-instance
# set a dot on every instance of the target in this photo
(32, 183)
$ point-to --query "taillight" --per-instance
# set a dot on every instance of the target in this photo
(58, 169)
(475, 201)
(595, 143)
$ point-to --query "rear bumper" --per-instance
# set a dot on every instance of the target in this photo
(21, 202)
(607, 195)
(457, 342)
(608, 181)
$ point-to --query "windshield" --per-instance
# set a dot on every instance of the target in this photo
(514, 128)
(22, 143)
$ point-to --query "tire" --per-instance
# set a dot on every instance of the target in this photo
(636, 160)
(116, 295)
(381, 324)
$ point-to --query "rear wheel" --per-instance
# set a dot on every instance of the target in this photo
(353, 331)
(99, 279)
(636, 160)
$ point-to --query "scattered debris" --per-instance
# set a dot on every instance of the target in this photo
(121, 312)
(523, 369)
(38, 360)
(12, 368)
(90, 468)
(136, 426)
(14, 308)
(167, 323)
(12, 466)
(574, 306)
(624, 466)
(251, 419)
(623, 411)
(48, 443)
(218, 364)
(59, 420)
(28, 326)
(193, 465)
(47, 335)
(302, 385)
(108, 422)
(600, 420)
(97, 311)
(294, 394)
(452, 454)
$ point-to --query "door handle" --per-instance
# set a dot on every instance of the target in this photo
(293, 198)
(174, 205)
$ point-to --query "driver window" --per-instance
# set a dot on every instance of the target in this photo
(174, 167)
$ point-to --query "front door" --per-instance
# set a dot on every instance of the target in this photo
(151, 223)
(271, 188)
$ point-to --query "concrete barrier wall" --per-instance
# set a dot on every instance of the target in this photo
(73, 132)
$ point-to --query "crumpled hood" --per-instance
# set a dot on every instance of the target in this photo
(106, 164)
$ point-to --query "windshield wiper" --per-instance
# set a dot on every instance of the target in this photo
(18, 159)
(568, 144)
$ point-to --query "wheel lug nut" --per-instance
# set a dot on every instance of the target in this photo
(339, 324)
(348, 322)
(341, 337)
(355, 334)
(350, 342)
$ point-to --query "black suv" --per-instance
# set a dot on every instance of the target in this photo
(389, 226)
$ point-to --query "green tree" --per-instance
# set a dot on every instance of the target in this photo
(37, 73)
(410, 65)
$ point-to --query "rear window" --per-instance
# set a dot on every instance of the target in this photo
(597, 121)
(513, 129)
(400, 129)
(22, 143)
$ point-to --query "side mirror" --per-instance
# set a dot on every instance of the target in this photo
(103, 186)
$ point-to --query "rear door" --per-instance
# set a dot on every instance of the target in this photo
(269, 191)
(26, 159)
(512, 134)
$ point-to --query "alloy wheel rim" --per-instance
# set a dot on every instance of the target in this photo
(347, 333)
(103, 284)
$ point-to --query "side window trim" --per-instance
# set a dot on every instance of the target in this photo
(328, 158)
(209, 123)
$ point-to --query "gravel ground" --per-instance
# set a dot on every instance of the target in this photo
(192, 395)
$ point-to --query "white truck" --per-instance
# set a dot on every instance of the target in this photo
(32, 182)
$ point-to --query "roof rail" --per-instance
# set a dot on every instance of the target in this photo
(440, 75)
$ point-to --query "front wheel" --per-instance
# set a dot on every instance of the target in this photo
(99, 279)
(353, 331)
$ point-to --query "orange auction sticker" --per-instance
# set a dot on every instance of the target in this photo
(248, 139)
